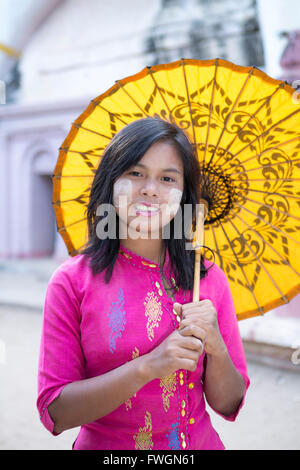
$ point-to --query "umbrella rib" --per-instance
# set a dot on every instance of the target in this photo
(267, 193)
(241, 267)
(210, 110)
(76, 251)
(226, 120)
(254, 114)
(265, 241)
(59, 203)
(58, 177)
(271, 278)
(188, 99)
(66, 149)
(120, 85)
(268, 130)
(270, 164)
(159, 91)
(273, 208)
(268, 150)
(60, 229)
(109, 112)
(79, 126)
(271, 179)
(217, 247)
(268, 223)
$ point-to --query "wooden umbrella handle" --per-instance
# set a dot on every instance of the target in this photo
(202, 213)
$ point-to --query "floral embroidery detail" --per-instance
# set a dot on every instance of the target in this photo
(143, 439)
(172, 436)
(168, 385)
(153, 313)
(117, 320)
(135, 353)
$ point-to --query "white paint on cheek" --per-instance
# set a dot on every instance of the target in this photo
(122, 192)
(173, 203)
(175, 196)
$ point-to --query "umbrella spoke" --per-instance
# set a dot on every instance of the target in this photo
(267, 193)
(229, 115)
(58, 177)
(77, 251)
(115, 115)
(121, 87)
(242, 270)
(273, 208)
(159, 91)
(188, 99)
(60, 203)
(268, 223)
(210, 110)
(274, 179)
(264, 151)
(268, 130)
(286, 263)
(90, 154)
(61, 229)
(258, 260)
(217, 248)
(79, 126)
(254, 114)
(272, 164)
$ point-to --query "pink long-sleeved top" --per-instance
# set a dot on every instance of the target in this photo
(90, 328)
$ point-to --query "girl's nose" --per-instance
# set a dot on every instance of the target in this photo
(150, 189)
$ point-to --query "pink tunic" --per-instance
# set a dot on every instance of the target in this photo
(90, 327)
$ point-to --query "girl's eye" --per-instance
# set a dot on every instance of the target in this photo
(166, 178)
(170, 179)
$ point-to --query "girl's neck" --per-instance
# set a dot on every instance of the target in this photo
(153, 250)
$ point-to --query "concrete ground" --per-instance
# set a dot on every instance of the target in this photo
(270, 418)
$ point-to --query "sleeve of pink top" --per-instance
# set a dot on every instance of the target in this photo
(61, 359)
(229, 329)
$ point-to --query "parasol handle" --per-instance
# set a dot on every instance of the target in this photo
(202, 213)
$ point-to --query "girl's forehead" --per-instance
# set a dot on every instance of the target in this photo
(162, 154)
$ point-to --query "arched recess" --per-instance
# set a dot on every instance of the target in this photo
(37, 228)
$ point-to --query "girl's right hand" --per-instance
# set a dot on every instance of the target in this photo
(174, 353)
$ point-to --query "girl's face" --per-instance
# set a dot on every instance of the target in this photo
(147, 195)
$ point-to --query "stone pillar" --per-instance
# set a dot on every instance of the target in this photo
(206, 29)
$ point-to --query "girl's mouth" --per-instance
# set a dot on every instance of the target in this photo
(146, 211)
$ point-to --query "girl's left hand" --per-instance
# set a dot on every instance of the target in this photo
(199, 319)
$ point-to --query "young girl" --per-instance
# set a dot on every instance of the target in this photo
(125, 352)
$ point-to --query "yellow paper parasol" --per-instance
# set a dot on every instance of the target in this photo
(245, 128)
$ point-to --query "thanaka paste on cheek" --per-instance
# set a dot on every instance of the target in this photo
(122, 192)
(174, 199)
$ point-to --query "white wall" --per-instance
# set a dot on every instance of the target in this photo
(83, 47)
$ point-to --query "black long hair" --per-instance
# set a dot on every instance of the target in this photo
(125, 149)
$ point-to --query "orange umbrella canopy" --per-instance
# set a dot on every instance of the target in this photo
(245, 128)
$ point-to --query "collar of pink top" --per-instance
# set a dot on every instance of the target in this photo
(142, 262)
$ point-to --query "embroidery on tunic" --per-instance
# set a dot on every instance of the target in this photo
(168, 384)
(117, 320)
(128, 404)
(172, 436)
(153, 312)
(143, 439)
